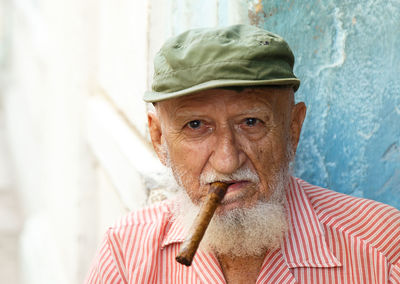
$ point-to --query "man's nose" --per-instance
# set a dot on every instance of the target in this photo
(227, 156)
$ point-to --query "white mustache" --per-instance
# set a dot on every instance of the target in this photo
(244, 173)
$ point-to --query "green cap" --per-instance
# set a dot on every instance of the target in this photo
(239, 55)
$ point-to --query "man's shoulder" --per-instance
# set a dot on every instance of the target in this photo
(155, 215)
(132, 245)
(372, 222)
(330, 204)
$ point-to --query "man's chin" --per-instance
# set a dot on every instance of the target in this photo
(252, 229)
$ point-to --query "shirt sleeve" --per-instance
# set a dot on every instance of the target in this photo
(394, 276)
(104, 269)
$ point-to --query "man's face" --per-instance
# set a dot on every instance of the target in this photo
(220, 134)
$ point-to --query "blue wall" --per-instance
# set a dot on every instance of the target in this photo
(348, 58)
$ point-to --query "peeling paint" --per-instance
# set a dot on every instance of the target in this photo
(397, 108)
(256, 12)
(259, 7)
(368, 135)
(392, 183)
(392, 152)
(339, 44)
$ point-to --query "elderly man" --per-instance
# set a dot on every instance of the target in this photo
(225, 111)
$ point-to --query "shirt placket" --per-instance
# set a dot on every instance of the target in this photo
(275, 270)
(207, 268)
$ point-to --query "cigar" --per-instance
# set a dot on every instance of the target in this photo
(189, 247)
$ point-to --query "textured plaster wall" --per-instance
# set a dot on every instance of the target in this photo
(348, 58)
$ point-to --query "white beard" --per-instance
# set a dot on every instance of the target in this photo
(241, 231)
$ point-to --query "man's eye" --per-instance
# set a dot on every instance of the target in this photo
(251, 121)
(194, 124)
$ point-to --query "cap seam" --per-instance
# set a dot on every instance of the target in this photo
(164, 74)
(178, 45)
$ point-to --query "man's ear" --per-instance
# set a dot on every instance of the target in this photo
(156, 136)
(298, 115)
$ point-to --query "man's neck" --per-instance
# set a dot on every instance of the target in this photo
(241, 269)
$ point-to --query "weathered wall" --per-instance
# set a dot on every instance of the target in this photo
(44, 97)
(348, 59)
(72, 114)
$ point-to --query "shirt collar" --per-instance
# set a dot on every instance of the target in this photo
(175, 233)
(304, 244)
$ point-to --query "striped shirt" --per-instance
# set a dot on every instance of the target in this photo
(332, 238)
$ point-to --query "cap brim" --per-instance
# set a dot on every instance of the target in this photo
(152, 97)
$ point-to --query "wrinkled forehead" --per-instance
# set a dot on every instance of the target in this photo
(273, 98)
